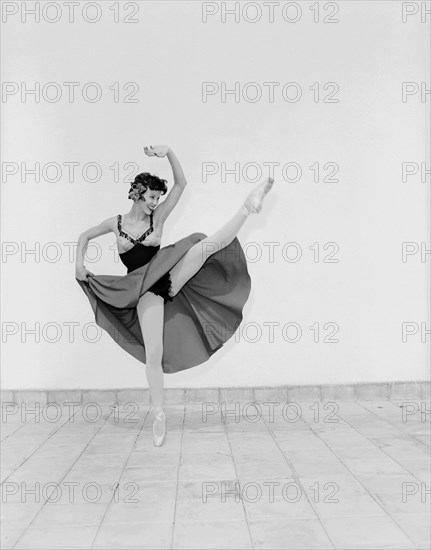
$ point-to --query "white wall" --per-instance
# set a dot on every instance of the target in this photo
(368, 213)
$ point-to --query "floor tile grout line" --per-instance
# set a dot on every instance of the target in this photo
(13, 402)
(362, 403)
(366, 488)
(45, 402)
(381, 449)
(395, 426)
(21, 426)
(297, 478)
(171, 545)
(64, 476)
(237, 481)
(51, 434)
(119, 479)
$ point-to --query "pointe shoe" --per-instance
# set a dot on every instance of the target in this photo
(159, 426)
(253, 203)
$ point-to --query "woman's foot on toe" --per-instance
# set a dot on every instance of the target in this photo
(159, 426)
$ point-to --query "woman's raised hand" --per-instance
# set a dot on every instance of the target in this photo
(156, 151)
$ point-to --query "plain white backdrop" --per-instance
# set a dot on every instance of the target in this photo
(369, 213)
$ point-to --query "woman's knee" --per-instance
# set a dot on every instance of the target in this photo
(154, 353)
(173, 290)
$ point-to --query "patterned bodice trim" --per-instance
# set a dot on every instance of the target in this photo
(139, 239)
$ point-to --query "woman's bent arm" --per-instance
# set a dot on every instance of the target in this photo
(80, 250)
(105, 227)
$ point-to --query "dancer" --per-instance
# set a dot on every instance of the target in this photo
(178, 304)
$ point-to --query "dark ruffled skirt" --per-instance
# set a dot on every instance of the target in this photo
(197, 321)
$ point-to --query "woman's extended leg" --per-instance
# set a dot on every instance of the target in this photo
(194, 259)
(151, 318)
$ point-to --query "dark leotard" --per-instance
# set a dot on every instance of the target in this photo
(140, 255)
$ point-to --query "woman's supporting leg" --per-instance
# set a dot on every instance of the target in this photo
(151, 318)
(194, 259)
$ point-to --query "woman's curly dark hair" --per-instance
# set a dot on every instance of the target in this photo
(145, 181)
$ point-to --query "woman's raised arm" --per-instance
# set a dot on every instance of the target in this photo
(180, 182)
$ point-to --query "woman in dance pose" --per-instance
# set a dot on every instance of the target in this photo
(179, 304)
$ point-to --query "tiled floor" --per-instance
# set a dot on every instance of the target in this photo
(315, 475)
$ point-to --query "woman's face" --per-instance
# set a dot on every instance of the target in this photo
(151, 199)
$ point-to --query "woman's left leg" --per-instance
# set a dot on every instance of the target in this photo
(151, 316)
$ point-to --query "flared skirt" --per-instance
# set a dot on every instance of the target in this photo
(198, 320)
